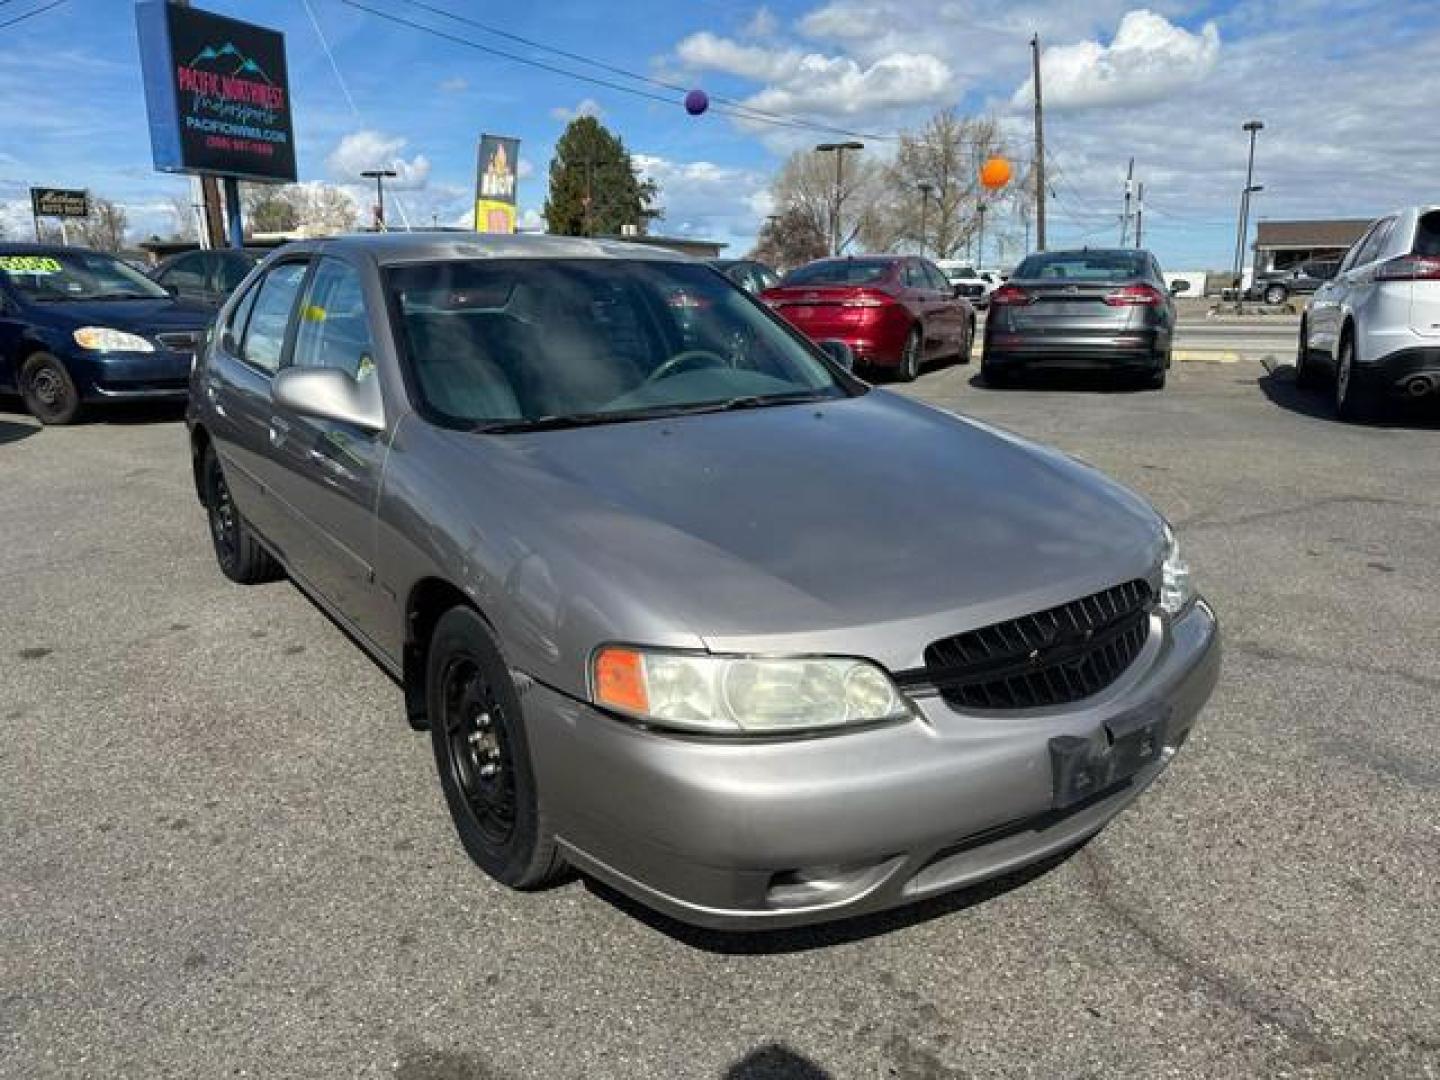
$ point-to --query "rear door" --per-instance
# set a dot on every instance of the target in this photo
(1322, 317)
(328, 472)
(923, 301)
(951, 313)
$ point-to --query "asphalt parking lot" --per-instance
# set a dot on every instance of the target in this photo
(222, 852)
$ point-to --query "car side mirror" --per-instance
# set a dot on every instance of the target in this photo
(330, 394)
(838, 351)
(1178, 286)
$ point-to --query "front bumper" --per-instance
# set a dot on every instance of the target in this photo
(741, 835)
(162, 375)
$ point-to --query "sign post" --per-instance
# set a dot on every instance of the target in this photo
(496, 179)
(217, 93)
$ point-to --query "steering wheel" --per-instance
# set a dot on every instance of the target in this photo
(690, 357)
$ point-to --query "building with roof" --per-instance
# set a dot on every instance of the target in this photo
(1280, 245)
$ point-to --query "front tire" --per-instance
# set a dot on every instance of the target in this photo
(1276, 294)
(50, 393)
(909, 369)
(968, 348)
(1306, 377)
(241, 557)
(477, 730)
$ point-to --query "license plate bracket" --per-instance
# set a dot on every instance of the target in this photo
(1124, 744)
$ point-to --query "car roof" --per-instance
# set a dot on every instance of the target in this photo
(1090, 251)
(389, 249)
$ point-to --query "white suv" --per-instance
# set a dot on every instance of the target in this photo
(967, 282)
(1375, 326)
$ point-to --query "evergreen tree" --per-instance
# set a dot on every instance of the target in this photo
(595, 189)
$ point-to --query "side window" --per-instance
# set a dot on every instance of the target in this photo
(1373, 243)
(270, 316)
(334, 330)
(185, 273)
(229, 272)
(768, 278)
(934, 278)
(1348, 262)
(240, 315)
(911, 276)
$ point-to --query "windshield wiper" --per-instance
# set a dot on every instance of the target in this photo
(123, 296)
(549, 423)
(655, 412)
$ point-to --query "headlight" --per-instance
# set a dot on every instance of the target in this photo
(104, 339)
(743, 695)
(1177, 591)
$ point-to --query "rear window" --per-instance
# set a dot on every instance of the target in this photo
(1083, 266)
(849, 272)
(1427, 234)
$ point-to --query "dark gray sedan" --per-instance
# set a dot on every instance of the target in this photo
(1089, 310)
(682, 603)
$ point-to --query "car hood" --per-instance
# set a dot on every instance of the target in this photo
(148, 317)
(870, 525)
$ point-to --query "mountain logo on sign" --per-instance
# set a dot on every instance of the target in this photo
(228, 52)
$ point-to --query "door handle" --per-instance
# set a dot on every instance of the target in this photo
(279, 431)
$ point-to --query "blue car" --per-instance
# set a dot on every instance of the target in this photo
(79, 327)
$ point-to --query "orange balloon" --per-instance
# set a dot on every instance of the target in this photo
(995, 173)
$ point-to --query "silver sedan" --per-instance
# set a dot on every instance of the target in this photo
(681, 602)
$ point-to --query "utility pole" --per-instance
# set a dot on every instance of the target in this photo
(1253, 127)
(379, 176)
(925, 190)
(1140, 215)
(980, 244)
(838, 149)
(1038, 166)
(1129, 188)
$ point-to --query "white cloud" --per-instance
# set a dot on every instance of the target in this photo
(368, 149)
(525, 168)
(455, 85)
(763, 24)
(587, 107)
(1149, 59)
(709, 200)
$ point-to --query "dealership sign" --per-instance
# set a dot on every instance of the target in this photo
(217, 93)
(496, 174)
(59, 202)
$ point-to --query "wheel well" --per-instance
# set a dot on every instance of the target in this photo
(199, 443)
(428, 600)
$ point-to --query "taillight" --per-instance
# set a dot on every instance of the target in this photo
(1409, 268)
(1010, 296)
(1135, 296)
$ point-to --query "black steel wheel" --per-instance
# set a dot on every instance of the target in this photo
(477, 730)
(909, 369)
(49, 391)
(241, 557)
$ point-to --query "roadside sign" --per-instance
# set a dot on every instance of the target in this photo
(496, 172)
(59, 202)
(217, 92)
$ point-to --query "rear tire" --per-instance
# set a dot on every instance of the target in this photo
(477, 730)
(909, 369)
(49, 392)
(239, 554)
(1155, 380)
(968, 348)
(1353, 402)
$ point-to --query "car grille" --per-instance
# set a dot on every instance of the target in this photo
(181, 341)
(1052, 657)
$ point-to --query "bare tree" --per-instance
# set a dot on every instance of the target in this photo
(945, 156)
(184, 213)
(806, 186)
(104, 229)
(790, 239)
(321, 208)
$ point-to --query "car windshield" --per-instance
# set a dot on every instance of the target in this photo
(837, 272)
(51, 276)
(1082, 266)
(514, 343)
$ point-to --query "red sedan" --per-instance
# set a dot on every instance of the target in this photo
(894, 311)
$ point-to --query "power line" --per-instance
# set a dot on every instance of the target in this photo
(31, 14)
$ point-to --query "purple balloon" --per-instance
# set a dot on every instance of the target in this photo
(696, 102)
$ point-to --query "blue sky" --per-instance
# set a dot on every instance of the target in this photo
(1347, 91)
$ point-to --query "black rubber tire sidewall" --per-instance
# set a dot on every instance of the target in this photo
(251, 564)
(1274, 290)
(1354, 406)
(910, 359)
(968, 349)
(528, 858)
(1304, 367)
(66, 412)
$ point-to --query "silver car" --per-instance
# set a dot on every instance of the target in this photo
(681, 602)
(1374, 328)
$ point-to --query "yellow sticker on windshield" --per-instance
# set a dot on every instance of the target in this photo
(29, 264)
(314, 313)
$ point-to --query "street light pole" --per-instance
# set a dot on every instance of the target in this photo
(1253, 127)
(839, 151)
(379, 176)
(980, 244)
(925, 190)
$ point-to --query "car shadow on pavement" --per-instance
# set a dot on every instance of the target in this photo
(14, 431)
(1279, 387)
(761, 942)
(1082, 381)
(136, 413)
(775, 1062)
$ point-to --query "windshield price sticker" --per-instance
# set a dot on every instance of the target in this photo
(29, 264)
